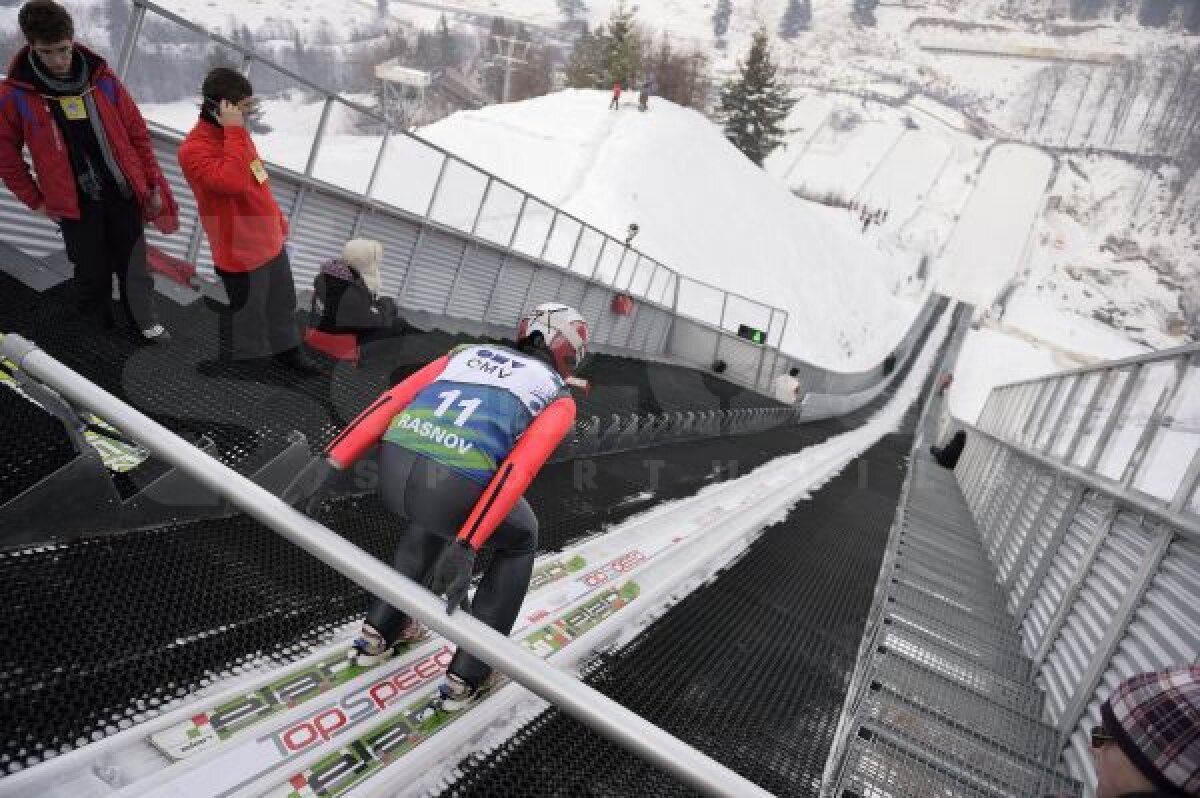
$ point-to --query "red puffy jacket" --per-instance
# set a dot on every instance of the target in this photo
(245, 227)
(26, 120)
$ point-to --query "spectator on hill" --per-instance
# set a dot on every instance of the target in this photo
(97, 177)
(944, 382)
(346, 295)
(787, 387)
(644, 97)
(245, 227)
(1148, 742)
(616, 96)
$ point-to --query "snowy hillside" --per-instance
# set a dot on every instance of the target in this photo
(703, 209)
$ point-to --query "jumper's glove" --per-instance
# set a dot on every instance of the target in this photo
(451, 575)
(308, 489)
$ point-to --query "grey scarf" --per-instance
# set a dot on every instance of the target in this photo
(89, 182)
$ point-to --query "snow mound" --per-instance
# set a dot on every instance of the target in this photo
(703, 209)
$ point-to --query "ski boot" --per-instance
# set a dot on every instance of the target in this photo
(453, 695)
(369, 648)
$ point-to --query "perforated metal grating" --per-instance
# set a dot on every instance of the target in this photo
(750, 669)
(35, 445)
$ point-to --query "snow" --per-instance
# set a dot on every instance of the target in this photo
(727, 223)
(990, 358)
(991, 239)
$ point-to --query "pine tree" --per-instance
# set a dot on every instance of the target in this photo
(573, 9)
(610, 54)
(1085, 9)
(797, 17)
(446, 56)
(720, 18)
(585, 68)
(754, 104)
(1122, 8)
(623, 51)
(864, 11)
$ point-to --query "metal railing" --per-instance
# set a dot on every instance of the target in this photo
(582, 702)
(461, 243)
(1084, 485)
(448, 190)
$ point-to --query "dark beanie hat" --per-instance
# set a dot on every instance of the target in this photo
(1155, 718)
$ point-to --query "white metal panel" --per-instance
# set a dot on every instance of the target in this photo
(1110, 577)
(1066, 563)
(1053, 420)
(508, 294)
(324, 226)
(432, 271)
(1022, 523)
(1164, 631)
(398, 237)
(474, 285)
(1009, 512)
(1060, 498)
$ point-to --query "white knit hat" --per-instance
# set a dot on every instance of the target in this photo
(364, 256)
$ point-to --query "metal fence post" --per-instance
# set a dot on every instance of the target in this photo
(575, 249)
(487, 190)
(437, 186)
(1114, 417)
(378, 167)
(133, 31)
(599, 257)
(326, 109)
(721, 328)
(549, 233)
(1153, 423)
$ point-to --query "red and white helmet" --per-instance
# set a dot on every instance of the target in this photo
(564, 331)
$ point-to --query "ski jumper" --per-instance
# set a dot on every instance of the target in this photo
(462, 440)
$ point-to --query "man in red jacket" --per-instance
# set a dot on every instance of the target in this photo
(97, 177)
(245, 227)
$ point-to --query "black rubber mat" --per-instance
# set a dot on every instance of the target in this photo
(248, 412)
(35, 444)
(145, 617)
(751, 669)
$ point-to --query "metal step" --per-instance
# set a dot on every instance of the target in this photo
(963, 670)
(964, 709)
(1005, 661)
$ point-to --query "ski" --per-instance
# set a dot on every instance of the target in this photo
(223, 722)
(358, 760)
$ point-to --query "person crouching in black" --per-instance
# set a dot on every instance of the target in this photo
(346, 296)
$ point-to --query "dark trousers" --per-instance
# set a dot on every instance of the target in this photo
(435, 502)
(107, 239)
(261, 318)
(616, 101)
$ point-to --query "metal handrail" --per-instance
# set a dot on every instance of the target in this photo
(1135, 500)
(128, 48)
(584, 703)
(1148, 357)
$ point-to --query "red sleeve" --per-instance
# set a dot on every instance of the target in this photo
(167, 220)
(366, 430)
(517, 471)
(225, 171)
(13, 169)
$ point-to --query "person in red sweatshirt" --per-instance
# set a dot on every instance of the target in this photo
(616, 97)
(246, 229)
(462, 440)
(97, 175)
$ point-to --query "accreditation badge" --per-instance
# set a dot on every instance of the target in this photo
(73, 108)
(260, 174)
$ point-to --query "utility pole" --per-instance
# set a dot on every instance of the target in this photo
(511, 52)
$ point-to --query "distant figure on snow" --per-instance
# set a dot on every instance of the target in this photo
(644, 97)
(616, 96)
